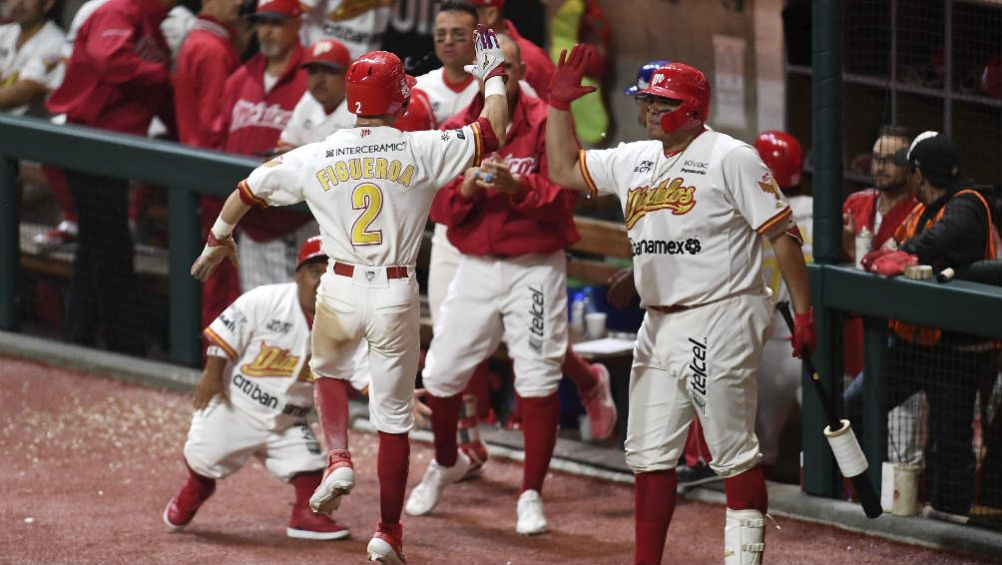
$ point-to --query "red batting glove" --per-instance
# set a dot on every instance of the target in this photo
(893, 263)
(804, 337)
(565, 86)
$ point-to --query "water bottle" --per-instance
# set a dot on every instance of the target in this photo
(589, 301)
(577, 314)
(864, 240)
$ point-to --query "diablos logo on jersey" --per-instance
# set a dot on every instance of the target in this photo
(669, 195)
(271, 361)
(769, 186)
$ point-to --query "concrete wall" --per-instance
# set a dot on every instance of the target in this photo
(684, 30)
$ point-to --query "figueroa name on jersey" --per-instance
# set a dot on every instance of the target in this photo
(271, 361)
(667, 196)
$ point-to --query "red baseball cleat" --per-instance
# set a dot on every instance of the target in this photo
(339, 479)
(307, 524)
(600, 407)
(387, 547)
(182, 508)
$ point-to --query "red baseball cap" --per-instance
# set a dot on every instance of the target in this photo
(499, 4)
(311, 249)
(279, 9)
(329, 53)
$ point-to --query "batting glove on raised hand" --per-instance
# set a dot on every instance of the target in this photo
(489, 61)
(804, 337)
(565, 85)
(215, 251)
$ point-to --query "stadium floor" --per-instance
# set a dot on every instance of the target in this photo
(87, 465)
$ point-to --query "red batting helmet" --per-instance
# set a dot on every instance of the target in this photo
(679, 81)
(419, 115)
(781, 152)
(376, 85)
(311, 249)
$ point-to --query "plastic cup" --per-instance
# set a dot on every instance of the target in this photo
(595, 324)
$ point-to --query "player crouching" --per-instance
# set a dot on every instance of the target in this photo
(253, 399)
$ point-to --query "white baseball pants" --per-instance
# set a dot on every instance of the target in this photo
(386, 313)
(522, 300)
(222, 438)
(698, 361)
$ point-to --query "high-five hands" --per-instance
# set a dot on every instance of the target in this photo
(489, 60)
(565, 86)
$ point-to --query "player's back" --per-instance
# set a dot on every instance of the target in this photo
(374, 187)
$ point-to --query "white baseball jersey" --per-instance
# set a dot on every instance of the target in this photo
(310, 123)
(266, 336)
(359, 24)
(37, 60)
(803, 215)
(447, 99)
(693, 217)
(370, 188)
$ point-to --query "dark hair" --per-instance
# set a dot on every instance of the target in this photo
(901, 132)
(459, 6)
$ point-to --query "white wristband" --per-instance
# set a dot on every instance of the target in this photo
(222, 229)
(494, 87)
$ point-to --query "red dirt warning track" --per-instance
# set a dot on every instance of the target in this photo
(87, 465)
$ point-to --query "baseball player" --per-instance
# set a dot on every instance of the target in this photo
(511, 225)
(697, 205)
(779, 376)
(370, 187)
(322, 110)
(253, 399)
(538, 66)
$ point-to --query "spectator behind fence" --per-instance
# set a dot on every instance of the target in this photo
(116, 79)
(951, 226)
(30, 51)
(257, 104)
(538, 66)
(358, 25)
(205, 60)
(880, 211)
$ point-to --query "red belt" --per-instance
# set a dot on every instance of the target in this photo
(346, 270)
(669, 309)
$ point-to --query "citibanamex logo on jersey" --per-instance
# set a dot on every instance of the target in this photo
(690, 246)
(697, 380)
(669, 195)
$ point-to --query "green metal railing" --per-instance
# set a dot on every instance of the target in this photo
(185, 171)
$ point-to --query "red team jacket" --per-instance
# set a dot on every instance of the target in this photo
(117, 77)
(539, 220)
(538, 66)
(204, 62)
(251, 123)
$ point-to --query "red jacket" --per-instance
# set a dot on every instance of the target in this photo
(863, 207)
(252, 119)
(538, 220)
(204, 62)
(250, 123)
(538, 66)
(117, 77)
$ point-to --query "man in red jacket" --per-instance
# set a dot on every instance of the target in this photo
(206, 58)
(258, 101)
(117, 79)
(538, 66)
(511, 224)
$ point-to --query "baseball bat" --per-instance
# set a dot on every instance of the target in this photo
(852, 463)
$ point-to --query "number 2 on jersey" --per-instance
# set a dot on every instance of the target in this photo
(368, 198)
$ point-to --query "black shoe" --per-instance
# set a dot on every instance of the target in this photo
(698, 474)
